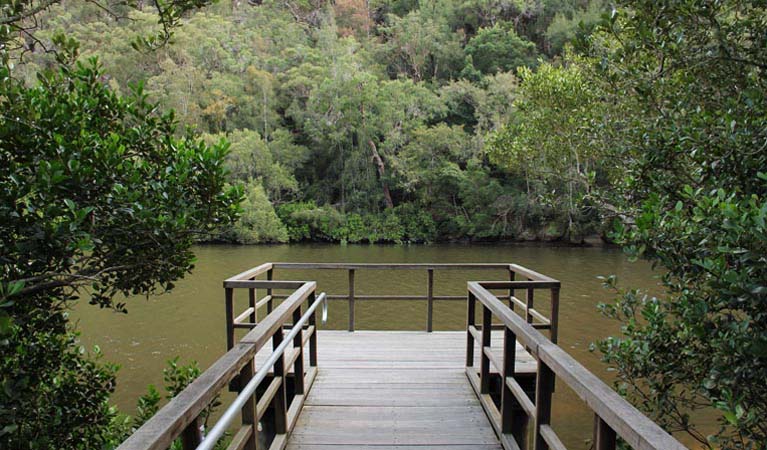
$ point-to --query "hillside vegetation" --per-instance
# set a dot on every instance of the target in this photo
(353, 121)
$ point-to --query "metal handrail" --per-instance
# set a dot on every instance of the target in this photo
(180, 418)
(234, 408)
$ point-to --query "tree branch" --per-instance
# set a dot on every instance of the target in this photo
(29, 13)
(65, 279)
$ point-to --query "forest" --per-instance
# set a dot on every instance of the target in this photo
(131, 132)
(354, 121)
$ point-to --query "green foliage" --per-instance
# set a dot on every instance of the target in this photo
(404, 223)
(250, 157)
(662, 125)
(333, 113)
(551, 139)
(291, 215)
(258, 222)
(96, 192)
(500, 49)
(369, 131)
(422, 46)
(694, 186)
(566, 28)
(176, 378)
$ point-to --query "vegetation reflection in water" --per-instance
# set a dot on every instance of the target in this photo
(189, 322)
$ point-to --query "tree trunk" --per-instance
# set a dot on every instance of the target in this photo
(381, 172)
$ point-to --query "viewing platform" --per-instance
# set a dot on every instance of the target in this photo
(488, 387)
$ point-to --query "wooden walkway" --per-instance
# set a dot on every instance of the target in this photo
(395, 390)
(387, 390)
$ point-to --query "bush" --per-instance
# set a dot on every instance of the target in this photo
(418, 224)
(97, 199)
(499, 49)
(307, 221)
(258, 222)
(298, 230)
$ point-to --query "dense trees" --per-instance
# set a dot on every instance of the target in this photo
(337, 106)
(667, 106)
(349, 122)
(370, 122)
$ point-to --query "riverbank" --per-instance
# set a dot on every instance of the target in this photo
(592, 240)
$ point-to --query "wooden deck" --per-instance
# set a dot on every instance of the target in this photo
(395, 390)
(386, 390)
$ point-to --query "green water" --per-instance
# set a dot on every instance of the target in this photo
(189, 322)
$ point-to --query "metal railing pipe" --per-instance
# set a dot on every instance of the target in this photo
(234, 408)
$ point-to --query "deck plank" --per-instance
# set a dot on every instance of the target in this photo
(394, 391)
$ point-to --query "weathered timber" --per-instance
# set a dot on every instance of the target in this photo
(614, 416)
(395, 390)
(382, 394)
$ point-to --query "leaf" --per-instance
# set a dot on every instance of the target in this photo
(5, 324)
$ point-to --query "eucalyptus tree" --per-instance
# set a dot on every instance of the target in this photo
(548, 138)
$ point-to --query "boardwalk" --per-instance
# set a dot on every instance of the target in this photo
(303, 388)
(394, 390)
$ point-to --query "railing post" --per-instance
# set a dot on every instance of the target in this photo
(192, 435)
(249, 413)
(280, 398)
(507, 397)
(530, 304)
(513, 419)
(298, 366)
(487, 328)
(544, 386)
(252, 304)
(512, 276)
(430, 301)
(554, 320)
(604, 436)
(313, 337)
(471, 312)
(351, 299)
(229, 292)
(270, 302)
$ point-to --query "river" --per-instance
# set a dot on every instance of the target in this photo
(189, 322)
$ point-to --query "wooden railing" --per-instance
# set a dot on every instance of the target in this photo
(281, 399)
(248, 318)
(514, 410)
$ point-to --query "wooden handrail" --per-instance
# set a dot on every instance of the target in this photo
(613, 414)
(530, 281)
(245, 403)
(390, 266)
(263, 284)
(179, 418)
(251, 273)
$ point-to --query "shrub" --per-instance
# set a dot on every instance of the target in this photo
(258, 222)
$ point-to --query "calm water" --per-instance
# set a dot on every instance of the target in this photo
(190, 321)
